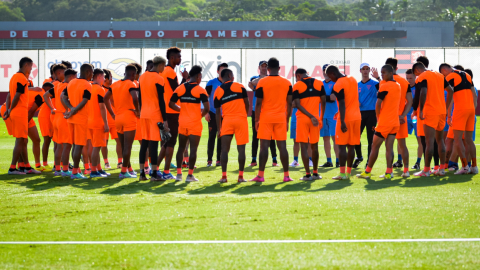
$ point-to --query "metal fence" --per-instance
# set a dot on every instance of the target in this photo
(244, 62)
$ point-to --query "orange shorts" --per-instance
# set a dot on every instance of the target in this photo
(31, 123)
(383, 132)
(307, 132)
(19, 126)
(113, 133)
(150, 130)
(236, 126)
(352, 136)
(420, 129)
(463, 120)
(450, 133)
(61, 129)
(139, 130)
(272, 131)
(97, 137)
(8, 122)
(190, 130)
(402, 131)
(46, 126)
(435, 121)
(126, 121)
(79, 133)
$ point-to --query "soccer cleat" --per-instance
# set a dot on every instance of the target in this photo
(357, 162)
(406, 174)
(463, 170)
(173, 166)
(168, 176)
(48, 168)
(158, 177)
(398, 164)
(441, 172)
(87, 172)
(223, 180)
(337, 165)
(258, 179)
(453, 168)
(209, 164)
(133, 173)
(416, 166)
(142, 178)
(306, 178)
(119, 165)
(254, 163)
(147, 170)
(104, 173)
(32, 171)
(326, 165)
(274, 164)
(316, 176)
(178, 178)
(15, 172)
(67, 173)
(40, 168)
(384, 176)
(218, 163)
(310, 163)
(97, 175)
(422, 174)
(364, 175)
(294, 163)
(241, 180)
(191, 178)
(388, 176)
(287, 179)
(78, 176)
(70, 166)
(107, 166)
(126, 175)
(474, 170)
(184, 164)
(341, 176)
(59, 173)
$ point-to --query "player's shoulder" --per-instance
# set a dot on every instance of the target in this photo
(20, 77)
(169, 72)
(213, 81)
(254, 77)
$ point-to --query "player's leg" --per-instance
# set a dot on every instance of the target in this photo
(342, 158)
(305, 159)
(378, 140)
(358, 148)
(226, 142)
(370, 126)
(389, 155)
(45, 148)
(77, 155)
(273, 151)
(419, 153)
(95, 161)
(441, 150)
(402, 145)
(182, 143)
(458, 144)
(129, 138)
(212, 135)
(17, 152)
(67, 147)
(472, 151)
(242, 158)
(328, 152)
(35, 138)
(58, 159)
(143, 152)
(429, 147)
(254, 142)
(194, 141)
(296, 151)
(282, 149)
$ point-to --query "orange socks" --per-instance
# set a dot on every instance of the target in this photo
(190, 171)
(261, 173)
(285, 174)
(464, 162)
(389, 170)
(124, 169)
(179, 171)
(224, 174)
(240, 173)
(368, 169)
(349, 169)
(474, 162)
(342, 169)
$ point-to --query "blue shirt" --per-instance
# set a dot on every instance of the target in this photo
(409, 114)
(294, 115)
(367, 94)
(212, 85)
(331, 108)
(254, 101)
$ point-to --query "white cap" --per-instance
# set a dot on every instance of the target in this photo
(364, 65)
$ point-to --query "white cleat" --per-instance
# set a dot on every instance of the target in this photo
(406, 174)
(316, 177)
(178, 178)
(463, 170)
(294, 164)
(191, 179)
(474, 170)
(440, 172)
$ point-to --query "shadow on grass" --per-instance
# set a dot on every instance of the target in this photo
(158, 187)
(437, 180)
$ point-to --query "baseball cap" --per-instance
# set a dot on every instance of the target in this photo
(325, 67)
(262, 62)
(364, 65)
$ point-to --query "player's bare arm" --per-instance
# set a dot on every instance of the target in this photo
(47, 98)
(174, 106)
(258, 110)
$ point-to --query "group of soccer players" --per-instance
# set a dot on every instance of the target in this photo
(80, 112)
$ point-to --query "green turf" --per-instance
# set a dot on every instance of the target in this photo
(47, 208)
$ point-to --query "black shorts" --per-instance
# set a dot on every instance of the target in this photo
(172, 119)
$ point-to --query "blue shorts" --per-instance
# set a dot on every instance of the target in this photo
(412, 127)
(328, 129)
(475, 130)
(293, 130)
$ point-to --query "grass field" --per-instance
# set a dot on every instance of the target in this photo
(47, 208)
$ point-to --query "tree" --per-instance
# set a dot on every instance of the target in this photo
(7, 14)
(173, 14)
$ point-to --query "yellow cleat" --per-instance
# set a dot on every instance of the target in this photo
(40, 169)
(47, 168)
(364, 175)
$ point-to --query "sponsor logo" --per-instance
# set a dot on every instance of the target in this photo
(415, 55)
(117, 67)
(34, 72)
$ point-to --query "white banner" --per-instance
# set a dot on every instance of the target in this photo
(115, 60)
(9, 65)
(76, 57)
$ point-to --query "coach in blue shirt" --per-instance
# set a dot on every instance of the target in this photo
(367, 97)
(329, 124)
(212, 85)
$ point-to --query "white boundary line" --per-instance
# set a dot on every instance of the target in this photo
(241, 241)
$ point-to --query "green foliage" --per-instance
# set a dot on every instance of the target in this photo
(465, 14)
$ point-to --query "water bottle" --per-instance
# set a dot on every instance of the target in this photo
(182, 68)
(414, 120)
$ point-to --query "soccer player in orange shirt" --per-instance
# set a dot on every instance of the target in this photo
(231, 101)
(17, 111)
(349, 119)
(463, 120)
(272, 112)
(152, 112)
(61, 133)
(97, 123)
(433, 111)
(125, 98)
(388, 124)
(308, 94)
(190, 95)
(75, 97)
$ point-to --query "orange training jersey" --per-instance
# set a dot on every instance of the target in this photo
(49, 79)
(274, 90)
(56, 92)
(435, 103)
(121, 95)
(19, 83)
(405, 88)
(309, 91)
(35, 97)
(346, 88)
(76, 91)
(152, 95)
(390, 93)
(95, 120)
(110, 120)
(190, 96)
(461, 83)
(229, 96)
(171, 83)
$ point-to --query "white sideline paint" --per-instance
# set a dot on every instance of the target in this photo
(241, 241)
